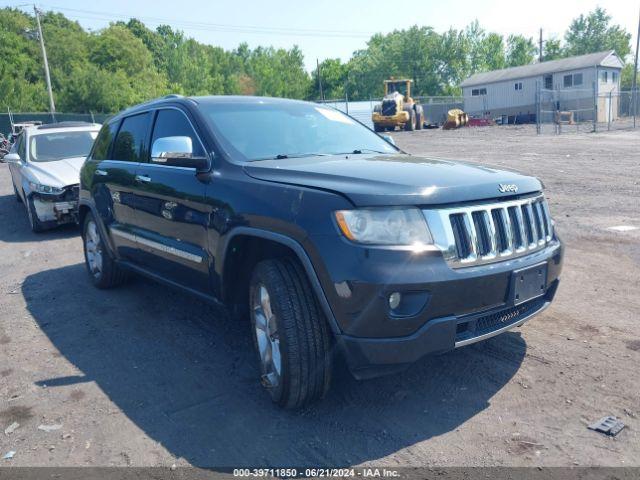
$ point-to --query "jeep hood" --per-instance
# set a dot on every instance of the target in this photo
(58, 173)
(399, 179)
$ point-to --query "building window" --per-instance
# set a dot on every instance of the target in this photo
(548, 82)
(577, 79)
(478, 91)
(568, 81)
(605, 76)
(614, 77)
(518, 85)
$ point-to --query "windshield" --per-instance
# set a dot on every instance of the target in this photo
(264, 130)
(400, 87)
(47, 147)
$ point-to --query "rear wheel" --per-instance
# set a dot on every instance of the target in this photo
(378, 128)
(290, 333)
(103, 270)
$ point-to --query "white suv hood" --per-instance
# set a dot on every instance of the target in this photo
(59, 173)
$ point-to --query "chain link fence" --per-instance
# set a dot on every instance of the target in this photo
(585, 111)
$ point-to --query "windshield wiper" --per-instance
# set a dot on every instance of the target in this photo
(282, 156)
(359, 151)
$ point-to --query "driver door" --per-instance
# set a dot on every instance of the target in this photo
(171, 213)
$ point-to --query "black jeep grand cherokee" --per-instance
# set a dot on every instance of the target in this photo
(325, 234)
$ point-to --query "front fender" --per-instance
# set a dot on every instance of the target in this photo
(300, 253)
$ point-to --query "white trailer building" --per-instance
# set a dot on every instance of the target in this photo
(567, 84)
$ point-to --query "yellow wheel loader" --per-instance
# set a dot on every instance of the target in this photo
(397, 109)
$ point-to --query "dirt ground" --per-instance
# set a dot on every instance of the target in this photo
(143, 375)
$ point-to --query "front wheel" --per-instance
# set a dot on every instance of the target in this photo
(410, 126)
(103, 270)
(18, 197)
(290, 333)
(34, 222)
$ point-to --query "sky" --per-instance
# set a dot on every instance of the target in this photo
(336, 28)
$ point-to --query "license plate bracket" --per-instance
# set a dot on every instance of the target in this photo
(528, 283)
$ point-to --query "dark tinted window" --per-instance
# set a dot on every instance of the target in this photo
(102, 143)
(130, 144)
(21, 150)
(173, 123)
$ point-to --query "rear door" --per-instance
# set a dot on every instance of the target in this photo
(114, 178)
(171, 214)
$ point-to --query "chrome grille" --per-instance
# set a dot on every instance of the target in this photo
(490, 232)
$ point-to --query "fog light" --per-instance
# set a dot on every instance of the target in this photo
(394, 300)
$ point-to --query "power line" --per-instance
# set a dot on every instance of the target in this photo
(195, 25)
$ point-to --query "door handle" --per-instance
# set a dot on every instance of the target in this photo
(143, 178)
(102, 173)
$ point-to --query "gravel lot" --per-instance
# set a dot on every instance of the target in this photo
(143, 375)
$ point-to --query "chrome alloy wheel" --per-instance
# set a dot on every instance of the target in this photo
(93, 248)
(267, 337)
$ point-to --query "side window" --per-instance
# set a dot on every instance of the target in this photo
(130, 143)
(102, 143)
(21, 148)
(173, 123)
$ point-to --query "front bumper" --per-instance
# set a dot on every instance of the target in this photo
(55, 210)
(448, 308)
(373, 357)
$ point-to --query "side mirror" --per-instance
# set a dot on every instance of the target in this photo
(12, 158)
(177, 152)
(389, 139)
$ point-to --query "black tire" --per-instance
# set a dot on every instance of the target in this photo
(302, 331)
(34, 222)
(378, 128)
(18, 197)
(110, 274)
(410, 126)
(419, 117)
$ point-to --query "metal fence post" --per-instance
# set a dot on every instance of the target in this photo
(595, 106)
(538, 108)
(609, 111)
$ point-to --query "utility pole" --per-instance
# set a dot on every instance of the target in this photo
(319, 79)
(541, 57)
(634, 89)
(52, 106)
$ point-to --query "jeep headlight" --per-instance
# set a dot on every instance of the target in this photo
(46, 189)
(385, 226)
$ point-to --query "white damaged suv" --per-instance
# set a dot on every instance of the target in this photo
(45, 164)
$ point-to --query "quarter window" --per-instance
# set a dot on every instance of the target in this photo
(173, 123)
(130, 144)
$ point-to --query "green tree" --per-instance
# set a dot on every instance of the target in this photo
(594, 33)
(334, 80)
(553, 50)
(520, 51)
